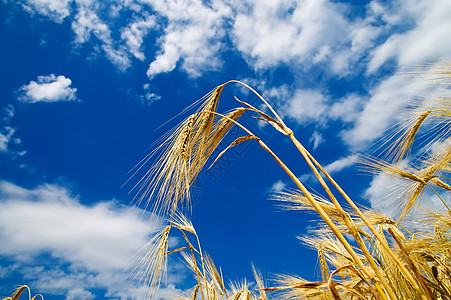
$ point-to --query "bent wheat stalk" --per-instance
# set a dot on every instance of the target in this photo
(181, 164)
(193, 142)
(18, 292)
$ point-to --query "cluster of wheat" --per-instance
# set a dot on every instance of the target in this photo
(363, 254)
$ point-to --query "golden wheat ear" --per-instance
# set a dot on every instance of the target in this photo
(260, 284)
(151, 270)
(18, 292)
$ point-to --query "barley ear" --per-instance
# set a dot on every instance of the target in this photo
(259, 281)
(234, 143)
(18, 292)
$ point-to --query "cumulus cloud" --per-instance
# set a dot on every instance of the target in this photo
(193, 34)
(192, 38)
(426, 37)
(301, 33)
(87, 23)
(311, 32)
(90, 247)
(48, 89)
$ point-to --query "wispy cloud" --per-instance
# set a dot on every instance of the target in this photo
(386, 32)
(387, 104)
(278, 186)
(425, 38)
(336, 40)
(149, 96)
(90, 247)
(333, 167)
(341, 164)
(190, 33)
(5, 137)
(316, 139)
(7, 134)
(88, 24)
(55, 10)
(192, 38)
(134, 33)
(48, 89)
(430, 25)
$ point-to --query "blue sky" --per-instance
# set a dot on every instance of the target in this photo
(85, 86)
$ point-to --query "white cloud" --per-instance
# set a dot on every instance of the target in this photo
(48, 89)
(87, 23)
(5, 137)
(428, 37)
(90, 247)
(306, 106)
(134, 33)
(278, 186)
(346, 108)
(149, 97)
(387, 104)
(57, 10)
(341, 164)
(192, 38)
(300, 33)
(7, 134)
(9, 113)
(267, 33)
(316, 139)
(384, 189)
(333, 167)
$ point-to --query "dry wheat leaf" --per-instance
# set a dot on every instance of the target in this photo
(234, 143)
